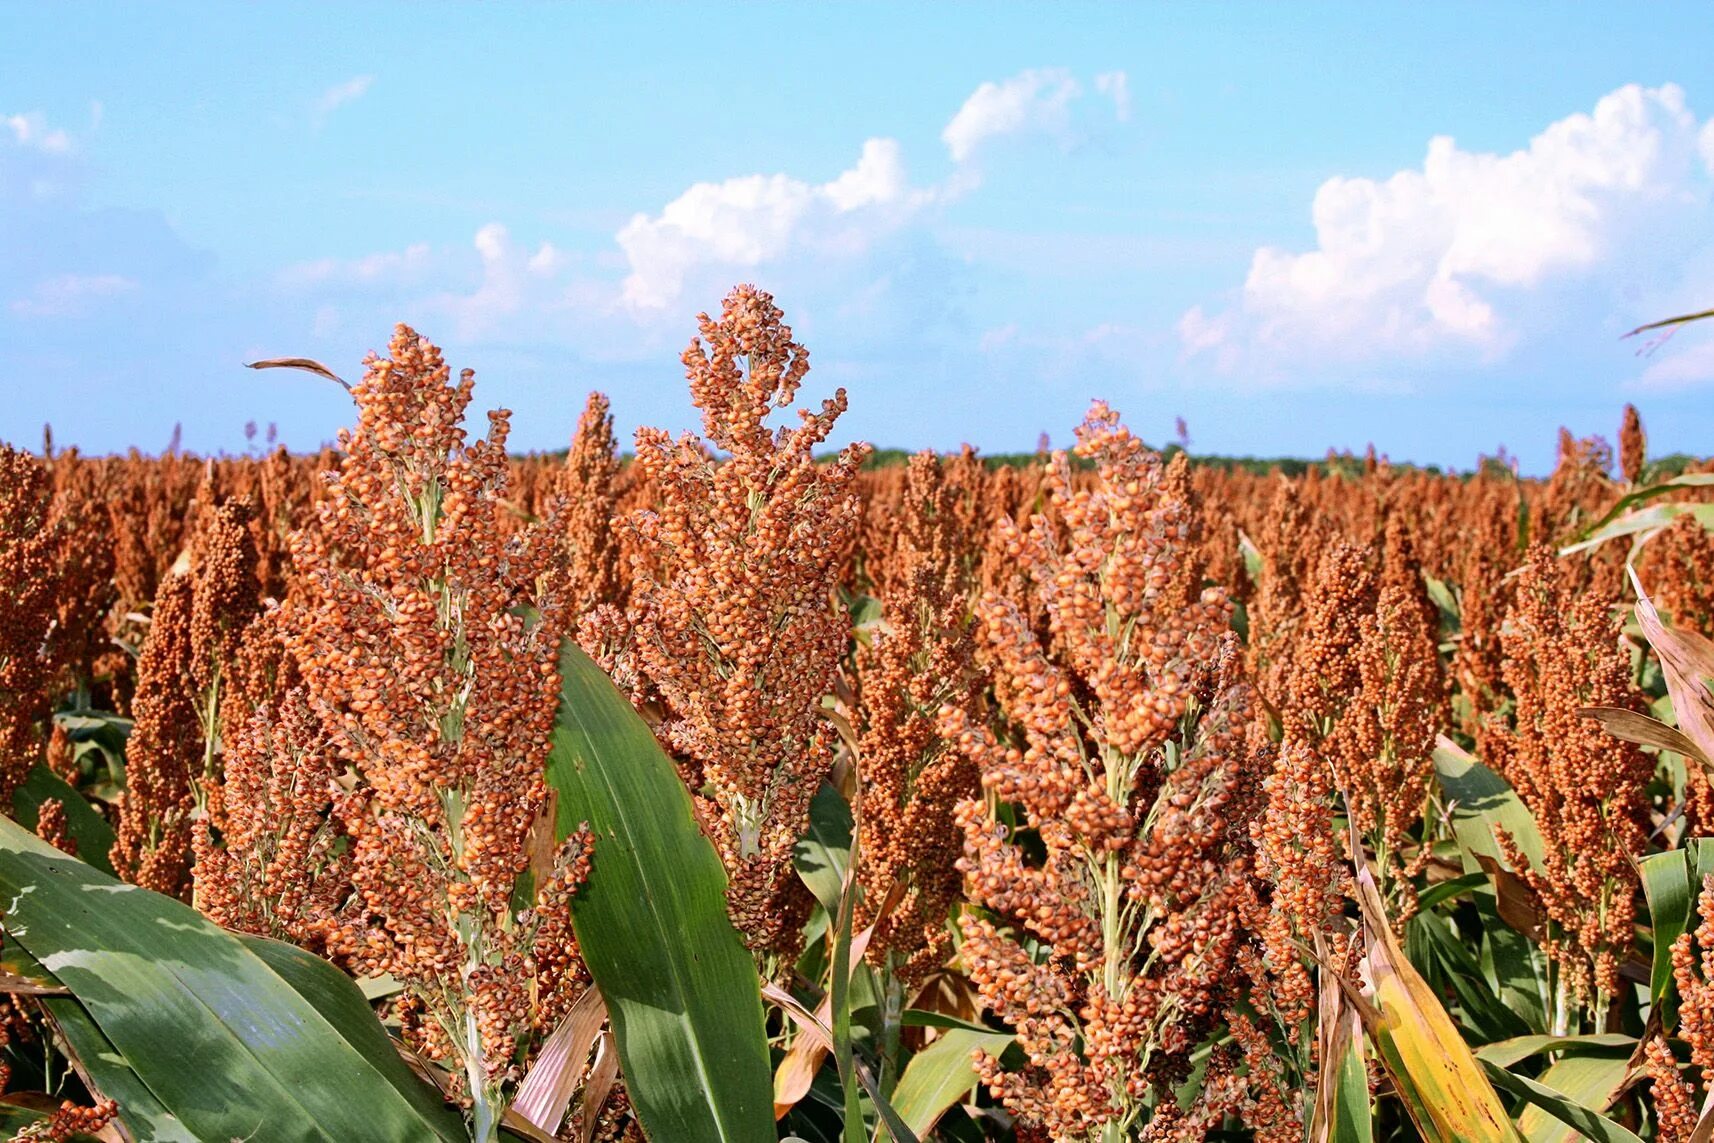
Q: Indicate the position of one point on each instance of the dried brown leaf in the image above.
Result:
(545, 1094)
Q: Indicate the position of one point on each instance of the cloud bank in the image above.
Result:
(1460, 257)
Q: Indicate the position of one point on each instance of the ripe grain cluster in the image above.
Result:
(1154, 776)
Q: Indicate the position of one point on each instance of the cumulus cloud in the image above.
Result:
(340, 94)
(1036, 100)
(70, 295)
(744, 222)
(860, 236)
(30, 129)
(1449, 256)
(512, 278)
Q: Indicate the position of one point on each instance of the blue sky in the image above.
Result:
(1296, 226)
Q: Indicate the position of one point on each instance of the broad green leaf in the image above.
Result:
(917, 1018)
(1538, 1095)
(941, 1075)
(1590, 1081)
(89, 829)
(1508, 1053)
(222, 1042)
(1448, 962)
(1517, 965)
(1671, 883)
(343, 1005)
(1483, 806)
(104, 1070)
(651, 922)
(1447, 890)
(99, 728)
(1642, 523)
(1653, 491)
(1444, 601)
(823, 854)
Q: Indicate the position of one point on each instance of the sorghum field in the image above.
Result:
(721, 788)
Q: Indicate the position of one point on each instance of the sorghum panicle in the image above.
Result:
(1124, 755)
(428, 657)
(733, 620)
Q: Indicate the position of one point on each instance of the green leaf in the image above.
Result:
(1340, 1112)
(1590, 1081)
(1483, 806)
(104, 1070)
(917, 1018)
(89, 829)
(1671, 883)
(1446, 961)
(1447, 890)
(1507, 1053)
(1538, 1095)
(343, 1005)
(1642, 523)
(1631, 500)
(940, 1075)
(824, 853)
(1445, 602)
(651, 921)
(220, 1040)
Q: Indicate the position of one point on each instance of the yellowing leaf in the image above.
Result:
(1437, 1077)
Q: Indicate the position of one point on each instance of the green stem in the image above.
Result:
(841, 1003)
(892, 1021)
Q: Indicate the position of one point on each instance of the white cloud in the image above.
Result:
(387, 266)
(1692, 368)
(1116, 85)
(31, 129)
(513, 279)
(862, 228)
(744, 222)
(70, 295)
(1035, 100)
(340, 94)
(1448, 256)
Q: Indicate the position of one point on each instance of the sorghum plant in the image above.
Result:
(921, 660)
(1124, 758)
(733, 620)
(1587, 791)
(30, 576)
(428, 657)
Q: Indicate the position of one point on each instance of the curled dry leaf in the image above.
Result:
(308, 365)
(545, 1094)
(1686, 659)
(1644, 731)
(601, 1079)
